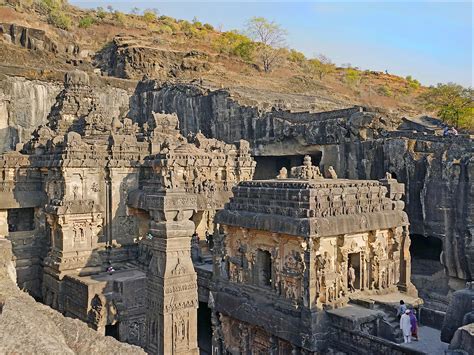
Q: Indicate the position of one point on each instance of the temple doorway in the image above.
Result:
(204, 329)
(112, 330)
(264, 268)
(354, 260)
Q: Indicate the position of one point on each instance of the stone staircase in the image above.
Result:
(389, 326)
(391, 323)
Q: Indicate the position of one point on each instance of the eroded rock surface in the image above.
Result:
(128, 58)
(358, 143)
(463, 340)
(28, 327)
(460, 312)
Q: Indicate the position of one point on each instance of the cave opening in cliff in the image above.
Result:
(425, 252)
(21, 219)
(268, 167)
(112, 330)
(204, 328)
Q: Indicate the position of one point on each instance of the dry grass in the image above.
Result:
(374, 89)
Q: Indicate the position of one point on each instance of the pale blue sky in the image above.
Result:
(430, 40)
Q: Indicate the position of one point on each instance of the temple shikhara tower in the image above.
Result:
(101, 212)
(294, 249)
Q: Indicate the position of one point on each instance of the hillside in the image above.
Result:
(111, 43)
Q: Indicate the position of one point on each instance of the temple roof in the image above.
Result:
(316, 207)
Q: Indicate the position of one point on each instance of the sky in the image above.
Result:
(429, 40)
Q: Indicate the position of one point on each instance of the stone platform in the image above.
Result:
(115, 301)
(429, 342)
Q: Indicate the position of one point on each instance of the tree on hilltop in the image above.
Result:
(321, 66)
(452, 103)
(270, 38)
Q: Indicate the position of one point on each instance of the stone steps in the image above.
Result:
(393, 322)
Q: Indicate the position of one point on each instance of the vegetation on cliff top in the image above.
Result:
(260, 48)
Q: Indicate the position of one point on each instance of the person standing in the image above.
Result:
(414, 325)
(351, 278)
(405, 326)
(401, 309)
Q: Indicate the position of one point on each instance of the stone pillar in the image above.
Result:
(171, 292)
(3, 223)
(217, 336)
(405, 284)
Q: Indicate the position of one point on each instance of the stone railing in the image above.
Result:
(357, 342)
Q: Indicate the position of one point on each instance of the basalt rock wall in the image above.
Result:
(218, 114)
(25, 104)
(359, 144)
(438, 175)
(28, 327)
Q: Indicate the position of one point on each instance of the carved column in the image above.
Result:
(172, 297)
(405, 284)
(217, 336)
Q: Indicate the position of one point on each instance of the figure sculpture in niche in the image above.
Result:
(332, 173)
(283, 173)
(351, 278)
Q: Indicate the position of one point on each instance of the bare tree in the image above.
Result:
(321, 66)
(270, 37)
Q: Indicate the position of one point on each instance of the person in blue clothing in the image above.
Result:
(401, 309)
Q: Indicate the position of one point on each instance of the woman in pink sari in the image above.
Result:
(414, 325)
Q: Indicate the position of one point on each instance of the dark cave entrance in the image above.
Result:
(425, 252)
(268, 167)
(112, 330)
(354, 260)
(21, 219)
(204, 329)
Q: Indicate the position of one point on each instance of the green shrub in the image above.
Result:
(245, 50)
(86, 22)
(101, 13)
(165, 29)
(208, 27)
(120, 17)
(235, 43)
(352, 76)
(320, 66)
(296, 57)
(149, 16)
(197, 24)
(385, 91)
(47, 6)
(59, 19)
(167, 19)
(412, 83)
(188, 29)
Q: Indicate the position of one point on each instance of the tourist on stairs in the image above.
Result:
(405, 326)
(414, 325)
(401, 309)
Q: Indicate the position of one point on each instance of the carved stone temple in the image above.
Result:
(294, 251)
(100, 212)
(104, 214)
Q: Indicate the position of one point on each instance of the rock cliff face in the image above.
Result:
(125, 58)
(26, 37)
(357, 143)
(460, 312)
(29, 327)
(25, 104)
(362, 145)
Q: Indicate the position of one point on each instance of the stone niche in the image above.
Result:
(292, 248)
